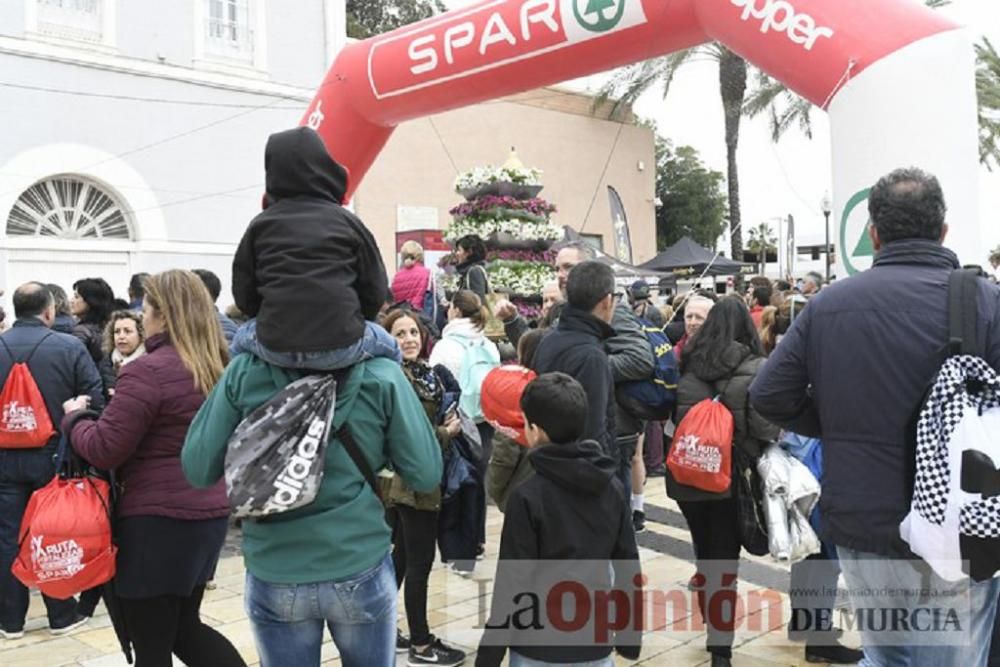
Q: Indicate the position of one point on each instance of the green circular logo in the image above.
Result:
(862, 247)
(598, 15)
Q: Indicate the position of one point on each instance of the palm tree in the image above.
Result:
(762, 241)
(629, 83)
(988, 91)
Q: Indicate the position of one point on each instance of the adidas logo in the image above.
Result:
(289, 484)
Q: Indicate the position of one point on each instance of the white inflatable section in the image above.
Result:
(916, 107)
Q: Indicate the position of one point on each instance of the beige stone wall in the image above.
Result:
(553, 130)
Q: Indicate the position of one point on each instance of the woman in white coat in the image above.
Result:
(465, 350)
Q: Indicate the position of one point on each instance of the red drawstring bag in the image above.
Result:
(65, 541)
(24, 419)
(701, 455)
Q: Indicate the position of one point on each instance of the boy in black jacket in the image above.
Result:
(573, 511)
(307, 269)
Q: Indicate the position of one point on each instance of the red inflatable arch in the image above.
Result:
(821, 49)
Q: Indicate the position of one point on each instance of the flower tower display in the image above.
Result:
(503, 208)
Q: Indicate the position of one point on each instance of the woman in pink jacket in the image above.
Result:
(413, 279)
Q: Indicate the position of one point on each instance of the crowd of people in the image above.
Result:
(153, 388)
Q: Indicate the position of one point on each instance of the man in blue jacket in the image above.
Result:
(62, 368)
(853, 370)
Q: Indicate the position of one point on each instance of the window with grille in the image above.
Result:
(68, 207)
(229, 33)
(71, 19)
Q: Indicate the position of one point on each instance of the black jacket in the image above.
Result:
(472, 276)
(574, 512)
(306, 268)
(729, 377)
(853, 370)
(92, 337)
(61, 367)
(576, 347)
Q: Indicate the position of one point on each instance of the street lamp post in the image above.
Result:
(827, 207)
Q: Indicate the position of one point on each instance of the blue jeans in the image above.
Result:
(22, 472)
(518, 660)
(360, 611)
(376, 342)
(974, 603)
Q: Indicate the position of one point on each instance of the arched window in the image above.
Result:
(68, 207)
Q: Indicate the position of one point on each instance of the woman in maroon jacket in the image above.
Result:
(170, 533)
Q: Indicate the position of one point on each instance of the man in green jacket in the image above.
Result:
(328, 562)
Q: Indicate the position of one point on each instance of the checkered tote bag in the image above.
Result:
(954, 519)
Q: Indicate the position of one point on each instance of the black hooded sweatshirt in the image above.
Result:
(306, 268)
(574, 511)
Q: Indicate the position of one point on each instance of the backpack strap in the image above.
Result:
(30, 354)
(347, 438)
(352, 449)
(962, 313)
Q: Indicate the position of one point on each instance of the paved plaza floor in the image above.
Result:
(456, 606)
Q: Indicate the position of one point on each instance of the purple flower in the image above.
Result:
(490, 203)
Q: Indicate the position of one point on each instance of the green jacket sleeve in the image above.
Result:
(500, 471)
(412, 444)
(204, 455)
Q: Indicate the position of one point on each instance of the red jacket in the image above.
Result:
(140, 435)
(410, 284)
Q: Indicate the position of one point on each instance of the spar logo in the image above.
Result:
(780, 16)
(485, 37)
(598, 15)
(855, 244)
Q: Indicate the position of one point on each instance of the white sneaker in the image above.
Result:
(8, 635)
(462, 573)
(79, 622)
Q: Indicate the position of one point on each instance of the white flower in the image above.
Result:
(480, 176)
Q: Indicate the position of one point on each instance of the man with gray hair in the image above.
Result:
(853, 370)
(812, 283)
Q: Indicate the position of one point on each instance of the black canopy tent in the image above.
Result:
(687, 259)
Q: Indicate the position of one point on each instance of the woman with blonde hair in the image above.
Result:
(124, 338)
(169, 533)
(413, 280)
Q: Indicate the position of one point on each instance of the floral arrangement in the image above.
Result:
(480, 176)
(547, 257)
(523, 278)
(448, 262)
(504, 209)
(492, 207)
(528, 309)
(519, 230)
